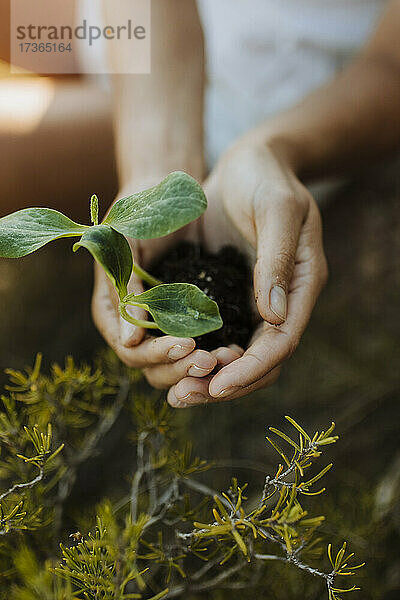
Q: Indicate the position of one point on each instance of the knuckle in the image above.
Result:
(259, 362)
(292, 201)
(156, 349)
(286, 198)
(279, 196)
(284, 264)
(291, 346)
(154, 344)
(293, 343)
(129, 362)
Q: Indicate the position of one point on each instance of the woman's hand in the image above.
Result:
(167, 359)
(257, 204)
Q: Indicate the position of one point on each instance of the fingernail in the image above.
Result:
(204, 360)
(278, 301)
(179, 351)
(177, 404)
(191, 398)
(198, 371)
(228, 391)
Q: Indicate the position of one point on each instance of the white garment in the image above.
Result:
(263, 55)
(266, 55)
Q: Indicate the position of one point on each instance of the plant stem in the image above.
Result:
(138, 322)
(138, 476)
(146, 276)
(94, 209)
(21, 486)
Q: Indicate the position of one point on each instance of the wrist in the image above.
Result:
(281, 142)
(285, 151)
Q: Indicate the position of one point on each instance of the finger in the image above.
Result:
(276, 344)
(197, 364)
(156, 350)
(106, 314)
(199, 391)
(236, 348)
(269, 350)
(105, 308)
(190, 387)
(151, 351)
(226, 355)
(278, 227)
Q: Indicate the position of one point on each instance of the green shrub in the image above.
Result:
(166, 534)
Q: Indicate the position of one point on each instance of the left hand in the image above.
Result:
(257, 204)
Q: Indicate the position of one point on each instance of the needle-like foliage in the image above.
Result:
(169, 535)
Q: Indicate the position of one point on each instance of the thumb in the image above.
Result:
(277, 239)
(130, 334)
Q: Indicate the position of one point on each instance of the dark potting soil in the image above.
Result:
(225, 277)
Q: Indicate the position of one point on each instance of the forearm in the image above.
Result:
(353, 119)
(158, 117)
(342, 126)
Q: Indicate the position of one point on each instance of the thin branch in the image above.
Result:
(210, 564)
(280, 482)
(270, 557)
(22, 486)
(138, 475)
(212, 583)
(204, 489)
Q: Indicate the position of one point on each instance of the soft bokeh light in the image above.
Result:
(24, 102)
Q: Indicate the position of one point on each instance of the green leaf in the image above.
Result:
(285, 437)
(299, 428)
(179, 309)
(29, 229)
(112, 252)
(160, 210)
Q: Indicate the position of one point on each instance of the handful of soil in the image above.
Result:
(225, 277)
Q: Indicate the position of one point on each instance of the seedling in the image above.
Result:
(180, 309)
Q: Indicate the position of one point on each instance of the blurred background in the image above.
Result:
(56, 143)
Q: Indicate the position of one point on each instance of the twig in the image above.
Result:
(270, 557)
(138, 475)
(279, 482)
(21, 486)
(204, 489)
(225, 574)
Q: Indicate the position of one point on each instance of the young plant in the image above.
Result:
(180, 309)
